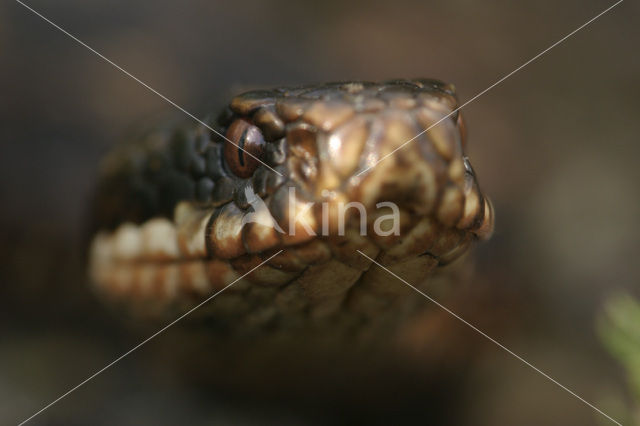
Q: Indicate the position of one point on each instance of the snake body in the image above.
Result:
(171, 206)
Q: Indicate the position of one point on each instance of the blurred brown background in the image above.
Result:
(555, 146)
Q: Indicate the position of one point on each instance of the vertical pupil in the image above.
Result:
(244, 139)
(241, 143)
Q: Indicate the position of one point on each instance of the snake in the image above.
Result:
(186, 208)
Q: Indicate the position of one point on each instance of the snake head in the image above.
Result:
(349, 154)
(324, 172)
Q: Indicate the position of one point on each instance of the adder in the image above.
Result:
(171, 207)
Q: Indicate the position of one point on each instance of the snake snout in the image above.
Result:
(416, 162)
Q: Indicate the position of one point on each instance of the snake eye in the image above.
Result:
(249, 146)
